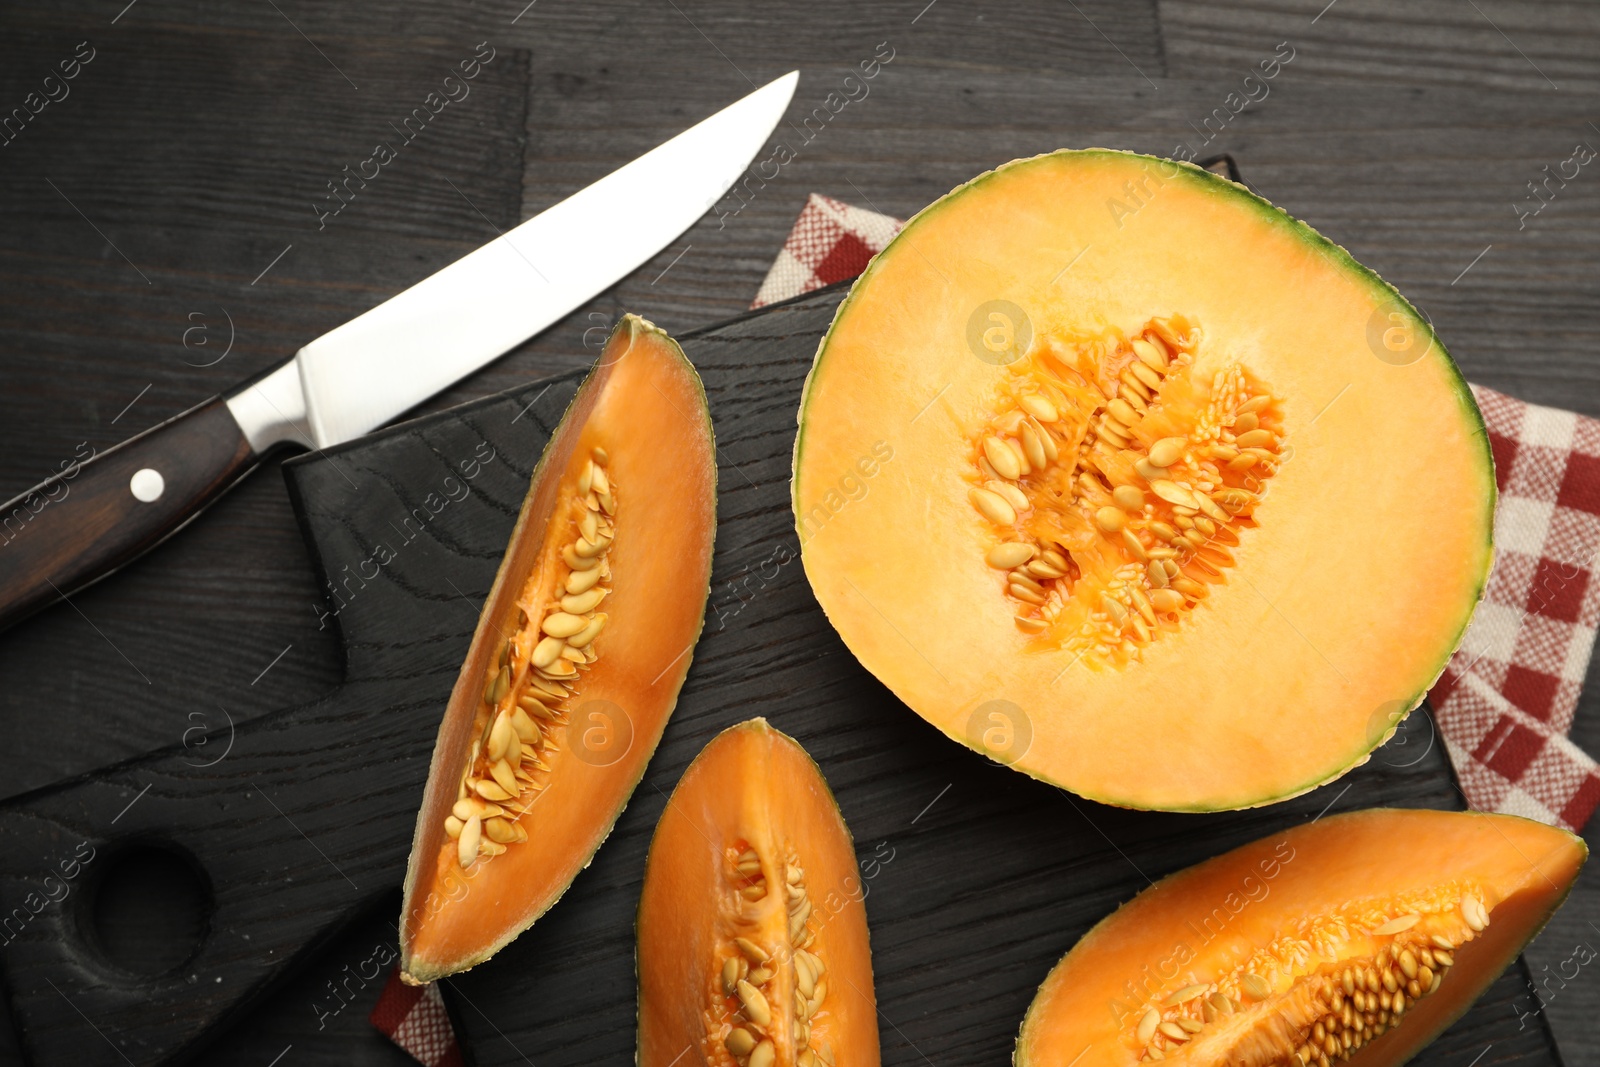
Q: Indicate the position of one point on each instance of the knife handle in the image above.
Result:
(76, 527)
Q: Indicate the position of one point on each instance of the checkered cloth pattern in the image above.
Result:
(1503, 705)
(414, 1017)
(1506, 700)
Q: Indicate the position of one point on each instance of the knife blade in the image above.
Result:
(83, 523)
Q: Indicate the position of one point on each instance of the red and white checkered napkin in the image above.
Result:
(414, 1017)
(1506, 700)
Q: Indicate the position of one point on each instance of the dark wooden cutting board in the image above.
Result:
(978, 878)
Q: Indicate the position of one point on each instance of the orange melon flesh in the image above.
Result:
(644, 409)
(754, 797)
(1344, 576)
(1298, 910)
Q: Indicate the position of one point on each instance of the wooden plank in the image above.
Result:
(703, 38)
(1485, 45)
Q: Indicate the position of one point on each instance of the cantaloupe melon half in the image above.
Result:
(1117, 473)
(1354, 938)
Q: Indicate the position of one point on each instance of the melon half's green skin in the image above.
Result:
(896, 352)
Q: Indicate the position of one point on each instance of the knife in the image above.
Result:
(81, 524)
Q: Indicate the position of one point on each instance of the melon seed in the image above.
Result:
(1188, 992)
(453, 826)
(1211, 509)
(1396, 925)
(1173, 493)
(1146, 375)
(1473, 912)
(1246, 422)
(1011, 495)
(467, 807)
(547, 651)
(582, 603)
(752, 951)
(1149, 471)
(501, 770)
(765, 1055)
(1009, 554)
(1041, 569)
(1147, 1025)
(1168, 450)
(1128, 497)
(490, 790)
(1149, 354)
(1257, 439)
(992, 507)
(1109, 519)
(1165, 600)
(1001, 458)
(1123, 412)
(586, 548)
(1039, 407)
(582, 581)
(500, 736)
(526, 729)
(577, 562)
(1255, 985)
(470, 841)
(584, 637)
(1023, 593)
(1173, 1031)
(754, 1002)
(1033, 446)
(504, 831)
(739, 1042)
(499, 686)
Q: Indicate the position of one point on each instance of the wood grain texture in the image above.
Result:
(1406, 132)
(1486, 44)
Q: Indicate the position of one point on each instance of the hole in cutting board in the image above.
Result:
(150, 911)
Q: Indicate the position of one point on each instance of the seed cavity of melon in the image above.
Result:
(1338, 983)
(523, 712)
(1118, 483)
(746, 1000)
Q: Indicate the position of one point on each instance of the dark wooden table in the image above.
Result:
(160, 242)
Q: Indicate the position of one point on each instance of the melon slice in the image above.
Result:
(752, 927)
(1118, 474)
(579, 654)
(1359, 937)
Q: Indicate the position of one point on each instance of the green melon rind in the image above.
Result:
(1382, 291)
(1021, 1055)
(415, 971)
